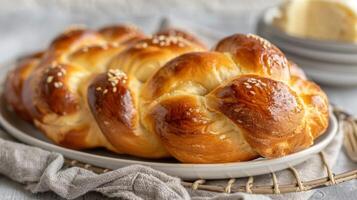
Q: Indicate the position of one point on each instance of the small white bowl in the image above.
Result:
(265, 23)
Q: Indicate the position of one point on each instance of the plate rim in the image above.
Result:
(30, 140)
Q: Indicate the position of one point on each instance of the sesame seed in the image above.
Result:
(58, 84)
(237, 110)
(162, 37)
(141, 45)
(252, 92)
(114, 89)
(59, 74)
(263, 41)
(105, 91)
(49, 79)
(98, 88)
(155, 41)
(222, 137)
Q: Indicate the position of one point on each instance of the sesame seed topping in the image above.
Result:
(141, 45)
(58, 84)
(105, 91)
(222, 137)
(237, 109)
(98, 89)
(49, 79)
(252, 92)
(155, 41)
(59, 74)
(163, 40)
(266, 44)
(114, 76)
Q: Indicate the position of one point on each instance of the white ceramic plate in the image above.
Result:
(266, 28)
(28, 134)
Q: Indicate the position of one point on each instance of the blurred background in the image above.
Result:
(27, 25)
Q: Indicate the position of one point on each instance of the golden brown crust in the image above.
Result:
(148, 55)
(113, 106)
(14, 83)
(255, 55)
(181, 33)
(54, 93)
(268, 111)
(55, 90)
(138, 63)
(316, 103)
(72, 40)
(260, 105)
(296, 71)
(192, 136)
(270, 115)
(122, 33)
(166, 96)
(205, 70)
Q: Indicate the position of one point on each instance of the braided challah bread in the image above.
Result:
(166, 95)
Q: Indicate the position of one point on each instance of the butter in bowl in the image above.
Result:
(319, 35)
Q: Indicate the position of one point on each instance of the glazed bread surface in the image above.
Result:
(166, 95)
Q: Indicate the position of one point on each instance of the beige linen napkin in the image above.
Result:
(42, 171)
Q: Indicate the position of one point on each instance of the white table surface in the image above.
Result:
(27, 25)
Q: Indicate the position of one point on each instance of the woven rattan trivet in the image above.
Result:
(276, 188)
